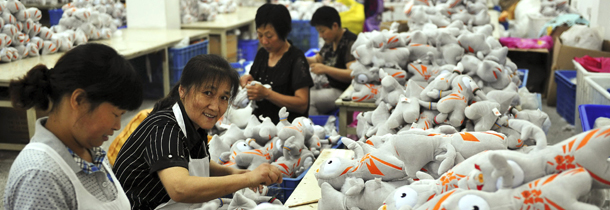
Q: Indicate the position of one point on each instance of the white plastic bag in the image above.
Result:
(583, 37)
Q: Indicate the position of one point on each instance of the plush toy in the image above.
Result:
(557, 191)
(394, 71)
(378, 164)
(420, 150)
(449, 48)
(261, 132)
(228, 158)
(474, 43)
(422, 72)
(292, 168)
(250, 159)
(391, 90)
(484, 114)
(405, 112)
(232, 134)
(362, 74)
(425, 53)
(364, 92)
(378, 118)
(217, 147)
(358, 195)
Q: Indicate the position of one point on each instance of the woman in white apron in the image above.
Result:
(165, 162)
(63, 166)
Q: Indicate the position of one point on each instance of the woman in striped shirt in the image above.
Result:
(165, 162)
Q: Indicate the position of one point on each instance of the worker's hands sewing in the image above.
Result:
(256, 91)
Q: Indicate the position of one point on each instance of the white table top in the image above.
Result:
(241, 17)
(308, 190)
(130, 43)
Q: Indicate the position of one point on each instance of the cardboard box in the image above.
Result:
(214, 47)
(562, 60)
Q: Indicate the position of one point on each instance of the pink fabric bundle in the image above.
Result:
(599, 64)
(522, 43)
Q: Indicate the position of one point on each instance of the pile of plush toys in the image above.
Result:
(22, 35)
(443, 13)
(96, 19)
(303, 10)
(243, 140)
(453, 131)
(204, 10)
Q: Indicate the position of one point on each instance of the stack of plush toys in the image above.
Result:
(303, 10)
(93, 19)
(21, 34)
(452, 129)
(443, 13)
(242, 140)
(204, 10)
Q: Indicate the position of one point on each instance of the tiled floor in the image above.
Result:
(557, 133)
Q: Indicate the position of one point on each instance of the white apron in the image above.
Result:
(197, 167)
(84, 199)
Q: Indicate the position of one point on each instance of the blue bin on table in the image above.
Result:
(283, 190)
(55, 15)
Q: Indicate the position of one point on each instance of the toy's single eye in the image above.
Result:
(242, 146)
(244, 103)
(332, 166)
(466, 81)
(518, 175)
(405, 196)
(362, 78)
(473, 202)
(279, 143)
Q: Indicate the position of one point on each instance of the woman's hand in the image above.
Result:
(258, 188)
(245, 79)
(264, 174)
(257, 92)
(318, 68)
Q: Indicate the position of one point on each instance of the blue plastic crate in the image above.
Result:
(178, 57)
(283, 190)
(55, 15)
(303, 35)
(590, 112)
(311, 52)
(246, 49)
(522, 73)
(567, 99)
(240, 68)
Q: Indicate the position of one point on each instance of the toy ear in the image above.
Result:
(529, 131)
(502, 171)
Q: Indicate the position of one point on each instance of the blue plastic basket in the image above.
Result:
(283, 190)
(303, 35)
(590, 112)
(246, 49)
(55, 15)
(241, 69)
(523, 76)
(178, 57)
(311, 52)
(567, 98)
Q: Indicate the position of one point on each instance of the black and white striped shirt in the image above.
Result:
(158, 143)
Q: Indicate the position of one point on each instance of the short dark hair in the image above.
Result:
(201, 70)
(96, 68)
(325, 16)
(277, 16)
